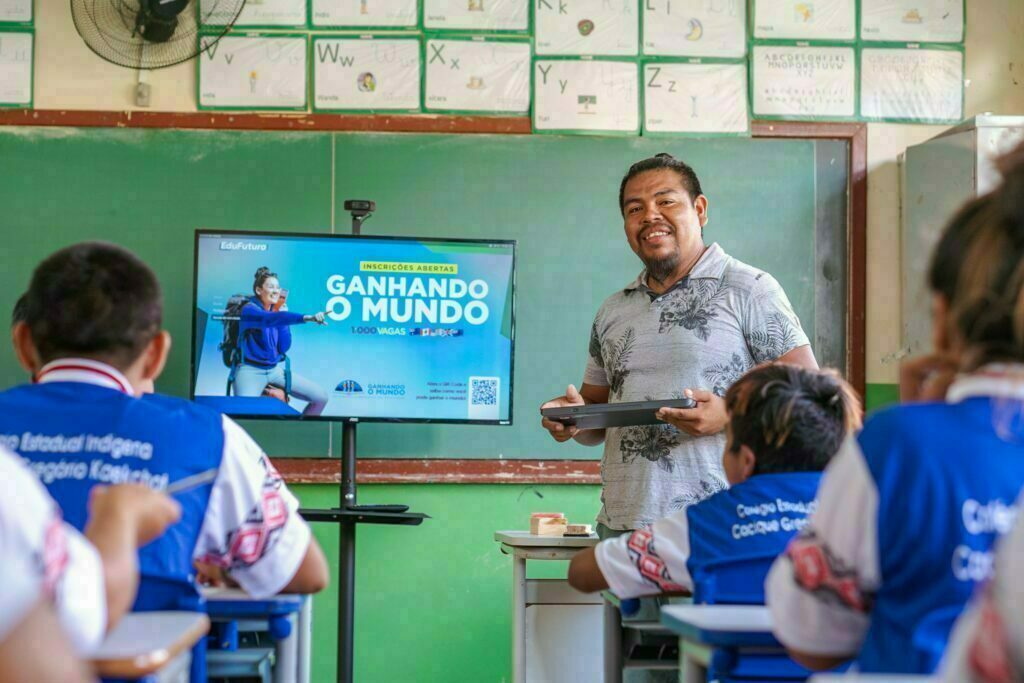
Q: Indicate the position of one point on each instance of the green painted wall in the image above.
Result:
(433, 603)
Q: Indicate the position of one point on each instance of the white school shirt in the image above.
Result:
(252, 527)
(41, 555)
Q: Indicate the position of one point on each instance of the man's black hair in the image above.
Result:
(659, 161)
(96, 300)
(18, 313)
(792, 418)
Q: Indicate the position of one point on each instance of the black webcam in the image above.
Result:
(360, 207)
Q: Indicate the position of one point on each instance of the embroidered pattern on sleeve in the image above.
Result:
(250, 542)
(53, 559)
(652, 568)
(988, 654)
(818, 571)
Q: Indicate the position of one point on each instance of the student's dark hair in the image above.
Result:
(792, 418)
(659, 161)
(18, 314)
(93, 299)
(978, 269)
(262, 275)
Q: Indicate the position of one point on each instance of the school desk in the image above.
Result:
(157, 644)
(289, 620)
(523, 546)
(702, 628)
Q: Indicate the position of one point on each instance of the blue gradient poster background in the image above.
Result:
(416, 329)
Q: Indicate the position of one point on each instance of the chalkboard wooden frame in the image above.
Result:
(447, 470)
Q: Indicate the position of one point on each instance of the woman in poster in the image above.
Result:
(264, 337)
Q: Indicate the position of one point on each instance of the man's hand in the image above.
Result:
(708, 417)
(560, 432)
(927, 378)
(134, 508)
(318, 318)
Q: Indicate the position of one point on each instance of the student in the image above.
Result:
(785, 423)
(93, 331)
(19, 314)
(264, 336)
(909, 510)
(72, 587)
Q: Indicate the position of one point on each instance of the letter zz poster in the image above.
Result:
(366, 74)
(686, 98)
(478, 75)
(586, 96)
(253, 72)
(413, 329)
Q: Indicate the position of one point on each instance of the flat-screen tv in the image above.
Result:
(346, 327)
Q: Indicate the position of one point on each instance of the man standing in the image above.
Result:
(690, 325)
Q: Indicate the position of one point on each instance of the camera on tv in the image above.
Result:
(360, 207)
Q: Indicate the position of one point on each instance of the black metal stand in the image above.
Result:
(346, 516)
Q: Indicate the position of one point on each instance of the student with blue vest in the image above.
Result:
(92, 333)
(910, 509)
(264, 337)
(785, 423)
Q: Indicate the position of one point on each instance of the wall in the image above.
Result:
(433, 601)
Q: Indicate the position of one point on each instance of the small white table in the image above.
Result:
(523, 546)
(144, 643)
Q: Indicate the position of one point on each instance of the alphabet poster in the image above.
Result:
(16, 69)
(478, 76)
(253, 72)
(365, 13)
(477, 15)
(587, 27)
(255, 13)
(803, 82)
(375, 74)
(572, 95)
(912, 85)
(805, 19)
(681, 97)
(16, 11)
(934, 21)
(695, 28)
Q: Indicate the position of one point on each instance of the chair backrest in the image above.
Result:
(732, 581)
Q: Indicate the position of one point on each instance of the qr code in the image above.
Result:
(483, 391)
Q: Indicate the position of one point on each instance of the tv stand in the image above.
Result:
(346, 516)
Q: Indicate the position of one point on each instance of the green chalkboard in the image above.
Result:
(778, 204)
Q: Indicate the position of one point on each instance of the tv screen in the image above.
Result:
(337, 327)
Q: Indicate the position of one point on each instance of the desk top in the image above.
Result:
(144, 642)
(870, 678)
(722, 625)
(526, 539)
(234, 602)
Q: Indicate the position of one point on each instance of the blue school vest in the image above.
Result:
(76, 435)
(736, 534)
(947, 485)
